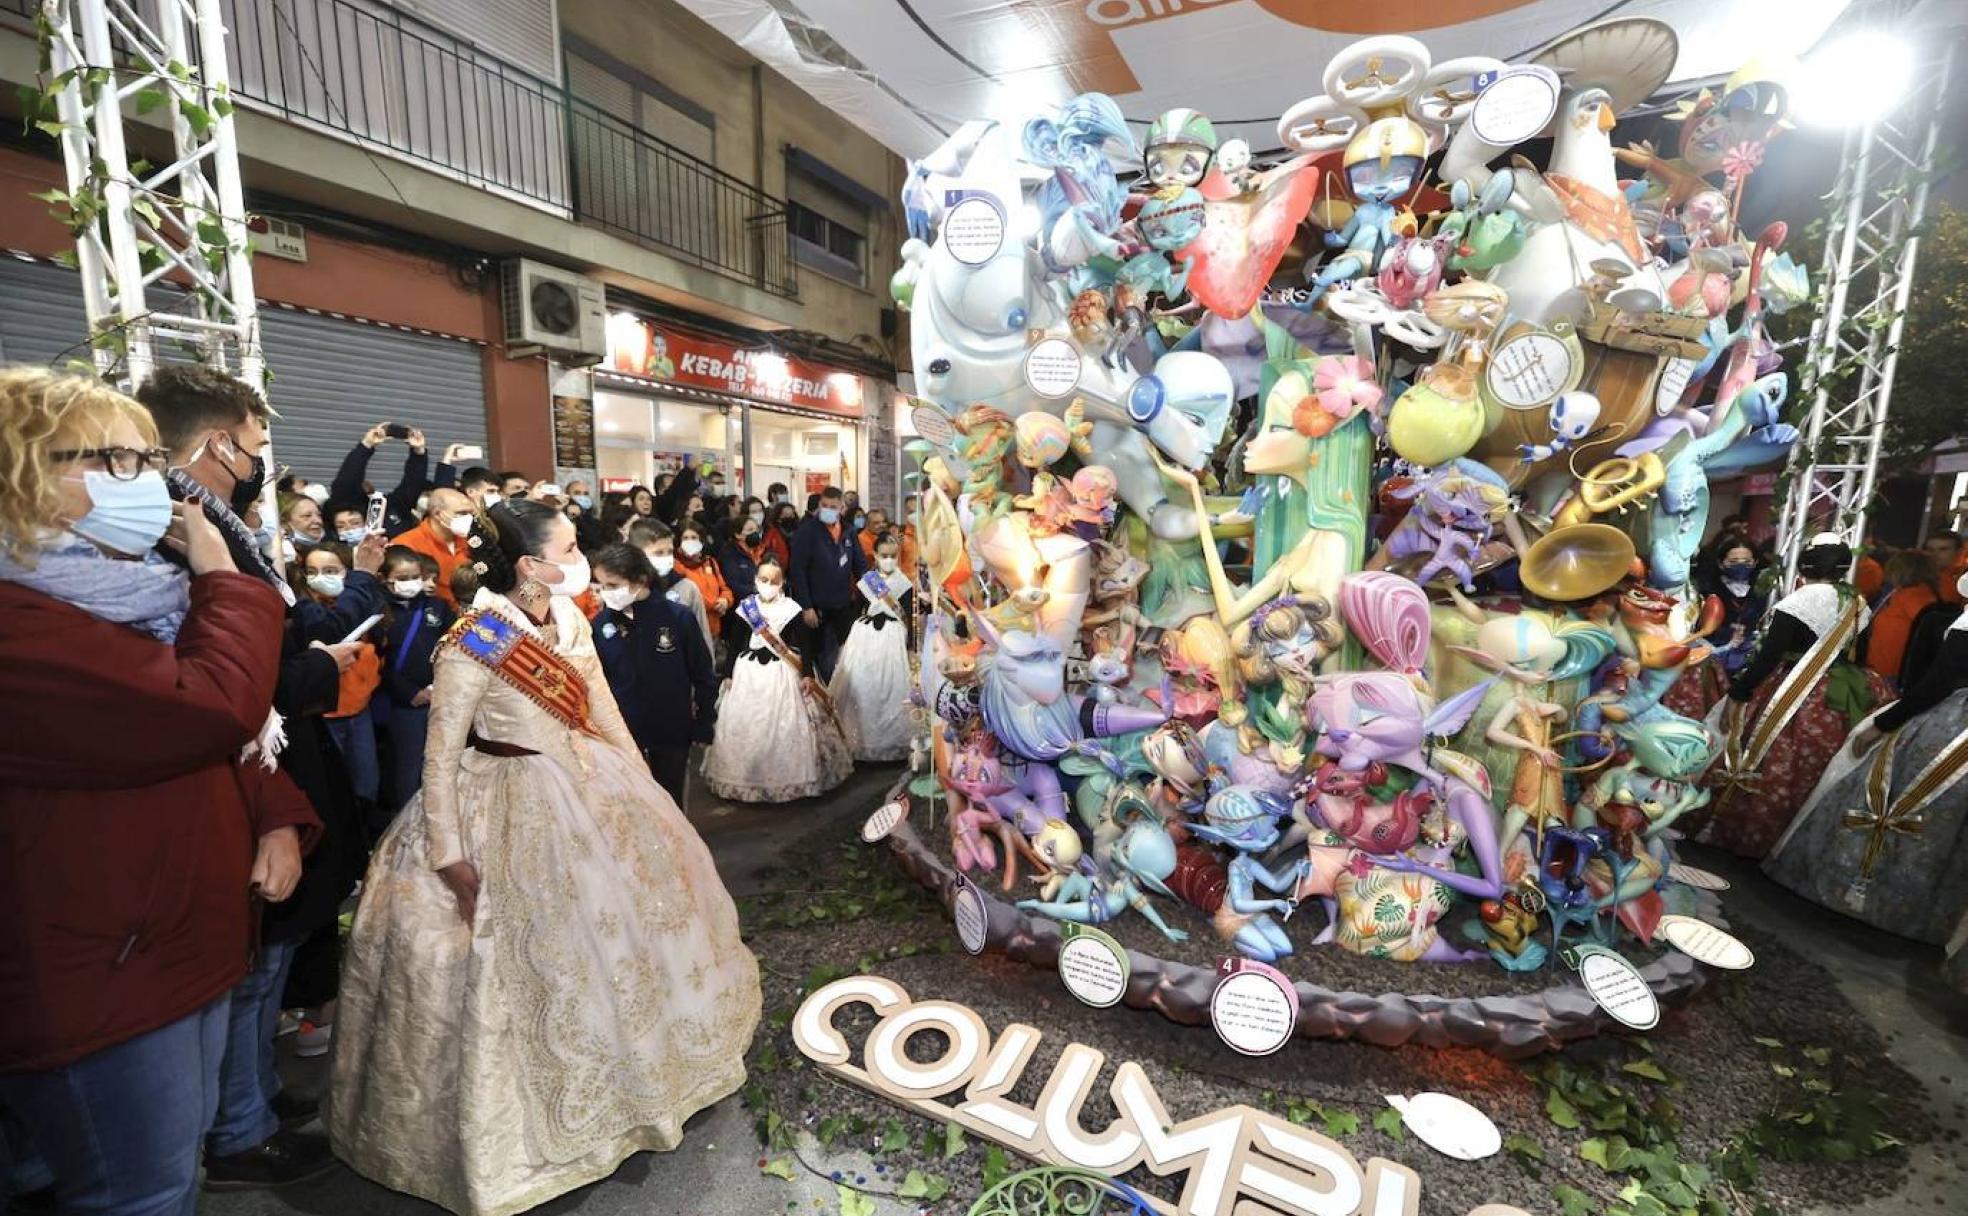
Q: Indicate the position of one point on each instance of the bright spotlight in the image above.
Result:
(1853, 80)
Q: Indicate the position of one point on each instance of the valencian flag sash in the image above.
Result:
(524, 662)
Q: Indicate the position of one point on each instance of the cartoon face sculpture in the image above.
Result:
(1384, 159)
(1374, 716)
(1178, 149)
(1172, 218)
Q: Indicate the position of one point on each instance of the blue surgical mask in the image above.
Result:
(830, 516)
(1739, 572)
(127, 517)
(352, 536)
(860, 522)
(584, 502)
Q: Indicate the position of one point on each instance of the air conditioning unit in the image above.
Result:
(553, 310)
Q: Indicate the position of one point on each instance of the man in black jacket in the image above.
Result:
(827, 563)
(215, 429)
(401, 513)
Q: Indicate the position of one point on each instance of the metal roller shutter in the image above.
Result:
(333, 379)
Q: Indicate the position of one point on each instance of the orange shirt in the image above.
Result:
(710, 581)
(1892, 628)
(448, 554)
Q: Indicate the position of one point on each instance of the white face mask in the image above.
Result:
(1961, 584)
(492, 500)
(329, 585)
(887, 564)
(407, 588)
(757, 517)
(461, 524)
(618, 598)
(767, 592)
(663, 562)
(574, 577)
(692, 547)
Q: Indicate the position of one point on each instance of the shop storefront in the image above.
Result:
(666, 397)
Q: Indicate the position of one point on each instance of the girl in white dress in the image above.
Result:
(778, 738)
(545, 974)
(871, 682)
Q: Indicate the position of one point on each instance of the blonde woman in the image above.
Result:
(132, 842)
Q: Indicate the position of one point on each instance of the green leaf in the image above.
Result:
(918, 1185)
(50, 127)
(1561, 1111)
(1523, 1146)
(853, 1202)
(779, 1167)
(830, 1129)
(995, 1168)
(51, 197)
(1572, 1201)
(1594, 1150)
(1388, 1122)
(1644, 1068)
(1341, 1123)
(1771, 1043)
(222, 106)
(953, 1140)
(149, 99)
(893, 1138)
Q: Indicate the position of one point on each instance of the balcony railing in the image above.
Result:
(362, 71)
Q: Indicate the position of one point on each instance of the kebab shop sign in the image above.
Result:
(637, 348)
(1235, 1160)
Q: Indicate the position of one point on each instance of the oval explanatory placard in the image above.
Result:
(1052, 367)
(1093, 966)
(1701, 880)
(1449, 1125)
(973, 919)
(1516, 106)
(974, 230)
(1254, 1008)
(934, 425)
(1673, 382)
(884, 821)
(1705, 943)
(1619, 989)
(1528, 372)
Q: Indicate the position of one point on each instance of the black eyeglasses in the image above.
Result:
(124, 464)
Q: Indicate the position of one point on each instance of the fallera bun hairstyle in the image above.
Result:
(504, 534)
(1825, 559)
(625, 561)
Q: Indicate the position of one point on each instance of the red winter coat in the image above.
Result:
(127, 829)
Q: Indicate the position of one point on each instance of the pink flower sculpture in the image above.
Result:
(1346, 385)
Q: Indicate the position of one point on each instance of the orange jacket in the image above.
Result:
(359, 683)
(704, 572)
(1892, 628)
(907, 556)
(1868, 577)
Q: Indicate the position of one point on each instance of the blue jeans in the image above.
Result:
(248, 1080)
(408, 725)
(355, 738)
(123, 1129)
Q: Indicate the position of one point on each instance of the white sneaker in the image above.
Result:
(312, 1040)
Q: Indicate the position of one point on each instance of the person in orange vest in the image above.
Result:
(1911, 579)
(878, 527)
(695, 562)
(441, 537)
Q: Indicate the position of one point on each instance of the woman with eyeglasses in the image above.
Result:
(133, 842)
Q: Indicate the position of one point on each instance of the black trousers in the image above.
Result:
(835, 625)
(671, 768)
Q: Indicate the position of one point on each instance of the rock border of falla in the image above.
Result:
(1511, 1026)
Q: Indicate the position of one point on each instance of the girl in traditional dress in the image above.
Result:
(1881, 838)
(1789, 709)
(778, 738)
(871, 683)
(545, 974)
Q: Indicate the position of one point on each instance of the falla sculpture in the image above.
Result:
(1344, 587)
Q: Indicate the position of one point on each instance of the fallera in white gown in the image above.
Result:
(872, 683)
(775, 742)
(598, 1000)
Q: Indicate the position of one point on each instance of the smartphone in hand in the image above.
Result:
(378, 510)
(396, 430)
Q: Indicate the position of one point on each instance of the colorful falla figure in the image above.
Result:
(1181, 144)
(1246, 821)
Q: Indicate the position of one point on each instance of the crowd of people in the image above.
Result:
(430, 702)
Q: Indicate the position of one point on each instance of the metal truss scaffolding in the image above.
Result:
(1876, 209)
(183, 224)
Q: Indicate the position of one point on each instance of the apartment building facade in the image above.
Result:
(439, 181)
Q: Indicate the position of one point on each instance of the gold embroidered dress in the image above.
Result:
(602, 995)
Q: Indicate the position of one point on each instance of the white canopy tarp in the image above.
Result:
(910, 71)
